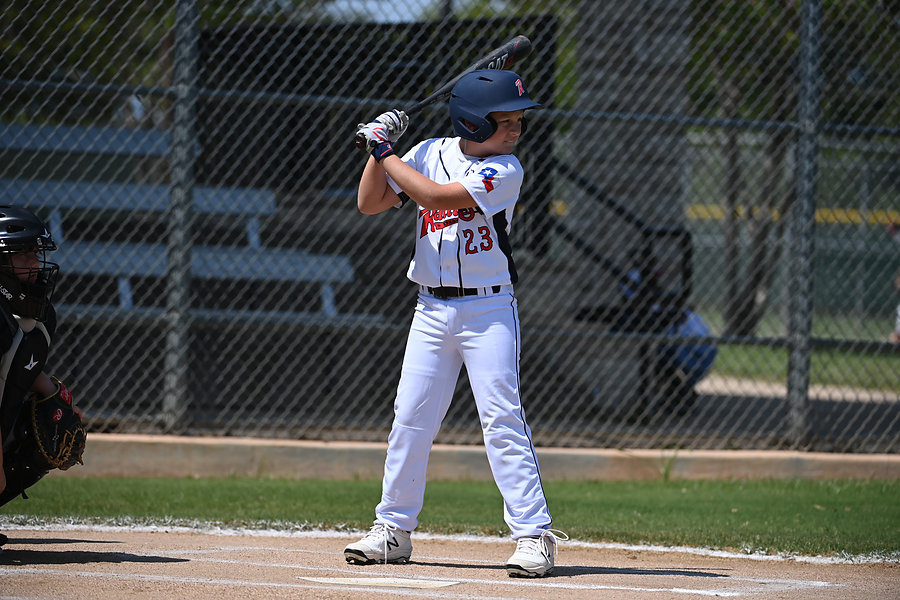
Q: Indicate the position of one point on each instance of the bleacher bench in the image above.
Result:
(123, 260)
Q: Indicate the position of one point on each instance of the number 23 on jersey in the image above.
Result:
(479, 240)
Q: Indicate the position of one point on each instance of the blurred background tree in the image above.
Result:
(744, 65)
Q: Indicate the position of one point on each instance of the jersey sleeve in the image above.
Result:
(495, 183)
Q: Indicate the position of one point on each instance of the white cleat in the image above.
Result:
(384, 543)
(534, 555)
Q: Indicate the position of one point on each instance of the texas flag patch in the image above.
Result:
(65, 394)
(487, 178)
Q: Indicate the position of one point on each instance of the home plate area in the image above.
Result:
(96, 563)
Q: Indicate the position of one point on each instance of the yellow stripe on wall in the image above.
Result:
(846, 216)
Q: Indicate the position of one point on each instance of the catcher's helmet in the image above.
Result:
(481, 92)
(27, 290)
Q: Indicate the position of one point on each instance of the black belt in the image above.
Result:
(444, 293)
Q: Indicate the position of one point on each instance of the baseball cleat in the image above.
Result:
(384, 543)
(533, 556)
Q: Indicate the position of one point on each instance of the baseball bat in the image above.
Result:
(499, 58)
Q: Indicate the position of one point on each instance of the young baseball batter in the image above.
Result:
(465, 190)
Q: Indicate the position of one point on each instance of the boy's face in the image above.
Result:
(509, 129)
(24, 264)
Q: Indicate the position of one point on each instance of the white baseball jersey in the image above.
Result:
(467, 247)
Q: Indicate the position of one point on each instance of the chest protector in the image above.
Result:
(25, 344)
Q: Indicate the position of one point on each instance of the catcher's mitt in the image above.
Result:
(57, 429)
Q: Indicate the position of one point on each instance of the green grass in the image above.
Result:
(827, 367)
(805, 517)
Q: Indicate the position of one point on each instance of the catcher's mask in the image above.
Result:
(481, 92)
(27, 289)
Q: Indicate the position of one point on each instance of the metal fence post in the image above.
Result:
(175, 392)
(801, 297)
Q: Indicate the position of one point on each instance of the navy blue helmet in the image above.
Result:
(481, 92)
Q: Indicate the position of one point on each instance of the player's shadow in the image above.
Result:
(574, 571)
(12, 555)
(451, 565)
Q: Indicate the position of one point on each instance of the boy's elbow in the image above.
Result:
(367, 206)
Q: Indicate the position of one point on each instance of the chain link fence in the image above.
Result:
(706, 239)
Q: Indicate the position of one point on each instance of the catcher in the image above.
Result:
(40, 427)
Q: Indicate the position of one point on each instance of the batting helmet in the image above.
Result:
(481, 92)
(27, 290)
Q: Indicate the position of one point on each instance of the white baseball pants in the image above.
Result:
(482, 333)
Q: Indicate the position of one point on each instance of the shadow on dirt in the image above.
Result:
(10, 555)
(573, 571)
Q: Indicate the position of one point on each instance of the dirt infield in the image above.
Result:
(114, 563)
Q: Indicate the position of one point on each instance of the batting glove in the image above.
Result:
(396, 123)
(377, 139)
(374, 133)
